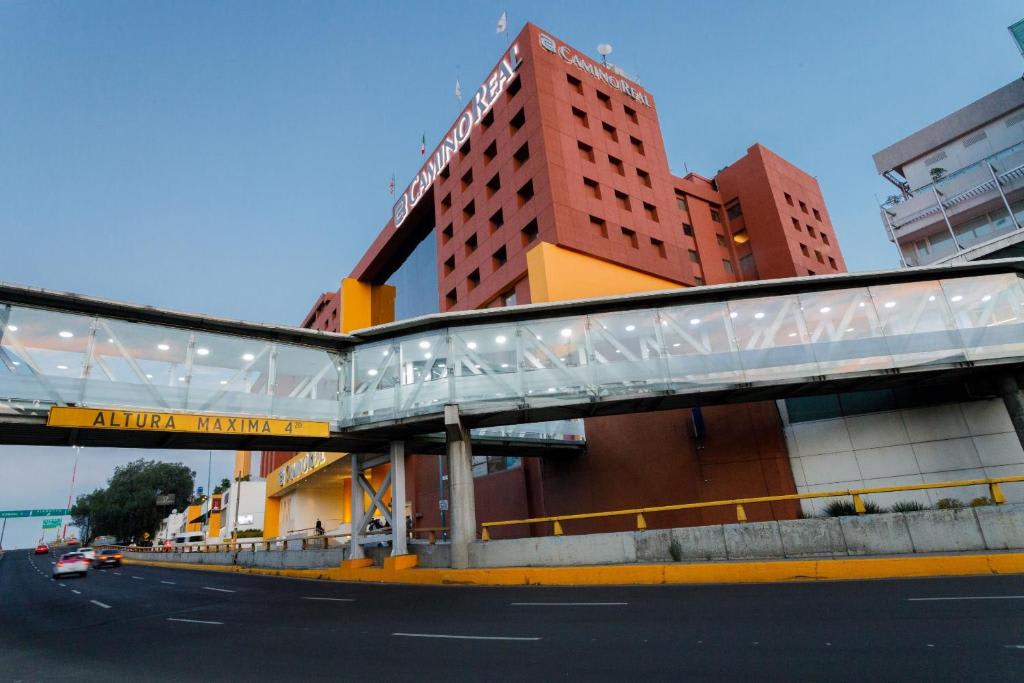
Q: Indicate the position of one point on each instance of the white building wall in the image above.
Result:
(970, 440)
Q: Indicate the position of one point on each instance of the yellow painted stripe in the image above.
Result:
(653, 574)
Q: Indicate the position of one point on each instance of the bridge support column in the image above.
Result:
(1013, 399)
(399, 545)
(462, 506)
(355, 551)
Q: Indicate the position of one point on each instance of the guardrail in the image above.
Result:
(995, 493)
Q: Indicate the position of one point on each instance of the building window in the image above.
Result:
(727, 266)
(631, 113)
(493, 185)
(449, 265)
(489, 464)
(499, 258)
(832, 262)
(694, 256)
(817, 214)
(803, 207)
(602, 227)
(720, 238)
(645, 177)
(652, 211)
(699, 281)
(521, 156)
(446, 173)
(687, 229)
(529, 232)
(465, 150)
(447, 233)
(681, 201)
(818, 255)
(734, 211)
(513, 88)
(490, 152)
(610, 131)
(525, 192)
(473, 281)
(631, 236)
(467, 179)
(593, 189)
(716, 216)
(741, 236)
(810, 230)
(804, 250)
(623, 200)
(517, 121)
(617, 165)
(659, 246)
(471, 244)
(468, 211)
(605, 99)
(796, 224)
(586, 151)
(638, 145)
(451, 298)
(789, 199)
(488, 120)
(581, 117)
(446, 202)
(509, 298)
(497, 220)
(575, 83)
(824, 238)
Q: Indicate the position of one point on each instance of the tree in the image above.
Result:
(126, 508)
(223, 486)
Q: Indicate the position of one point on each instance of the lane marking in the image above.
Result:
(197, 621)
(62, 585)
(332, 599)
(454, 637)
(971, 597)
(219, 590)
(169, 583)
(103, 605)
(76, 592)
(137, 578)
(567, 604)
(1015, 647)
(118, 573)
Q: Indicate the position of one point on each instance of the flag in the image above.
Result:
(458, 89)
(391, 185)
(502, 22)
(423, 145)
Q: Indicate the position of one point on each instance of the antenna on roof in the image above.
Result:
(604, 49)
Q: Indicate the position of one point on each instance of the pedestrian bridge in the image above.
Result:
(506, 369)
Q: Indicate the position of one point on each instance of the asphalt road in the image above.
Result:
(144, 623)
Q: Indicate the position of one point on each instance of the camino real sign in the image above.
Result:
(47, 512)
(146, 421)
(612, 80)
(297, 469)
(481, 103)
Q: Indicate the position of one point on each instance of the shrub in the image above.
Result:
(983, 500)
(949, 504)
(250, 533)
(908, 506)
(675, 550)
(845, 508)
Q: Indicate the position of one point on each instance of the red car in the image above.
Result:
(42, 549)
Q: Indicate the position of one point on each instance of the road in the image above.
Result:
(146, 623)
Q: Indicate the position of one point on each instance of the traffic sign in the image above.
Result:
(49, 512)
(51, 523)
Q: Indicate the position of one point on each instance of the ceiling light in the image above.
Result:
(372, 372)
(163, 347)
(618, 350)
(890, 304)
(957, 298)
(149, 376)
(428, 354)
(386, 352)
(501, 339)
(734, 314)
(504, 365)
(424, 345)
(759, 315)
(248, 357)
(695, 321)
(676, 345)
(566, 332)
(66, 334)
(849, 329)
(861, 304)
(15, 362)
(12, 328)
(470, 345)
(551, 390)
(110, 340)
(825, 309)
(792, 334)
(931, 298)
(181, 379)
(987, 297)
(223, 381)
(630, 328)
(62, 367)
(203, 352)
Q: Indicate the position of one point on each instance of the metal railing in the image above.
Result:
(994, 486)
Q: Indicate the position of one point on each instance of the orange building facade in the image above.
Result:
(554, 184)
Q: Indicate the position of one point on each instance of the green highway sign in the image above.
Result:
(51, 523)
(48, 512)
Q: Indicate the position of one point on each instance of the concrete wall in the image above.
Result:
(438, 555)
(928, 531)
(971, 440)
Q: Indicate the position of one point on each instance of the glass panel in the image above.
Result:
(374, 382)
(844, 331)
(987, 311)
(307, 383)
(423, 373)
(554, 360)
(484, 364)
(699, 343)
(917, 323)
(772, 339)
(43, 355)
(626, 353)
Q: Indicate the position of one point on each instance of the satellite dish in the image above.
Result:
(604, 49)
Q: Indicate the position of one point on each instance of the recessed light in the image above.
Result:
(424, 345)
(861, 304)
(203, 352)
(566, 332)
(372, 372)
(471, 345)
(223, 381)
(149, 376)
(16, 362)
(504, 365)
(551, 390)
(248, 356)
(501, 339)
(66, 334)
(733, 314)
(987, 297)
(163, 347)
(955, 298)
(792, 334)
(825, 309)
(12, 328)
(181, 379)
(695, 321)
(630, 328)
(931, 298)
(849, 329)
(890, 304)
(110, 340)
(62, 367)
(676, 345)
(759, 315)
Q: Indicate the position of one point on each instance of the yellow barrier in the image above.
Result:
(995, 493)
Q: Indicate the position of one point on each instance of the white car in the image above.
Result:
(89, 553)
(71, 563)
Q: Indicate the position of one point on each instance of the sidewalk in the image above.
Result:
(656, 574)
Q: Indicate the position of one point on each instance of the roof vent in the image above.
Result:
(975, 139)
(938, 156)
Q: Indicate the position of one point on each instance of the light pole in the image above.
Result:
(71, 491)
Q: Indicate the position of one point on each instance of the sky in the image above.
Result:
(233, 158)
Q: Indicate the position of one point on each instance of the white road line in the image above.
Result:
(197, 621)
(76, 592)
(567, 604)
(332, 599)
(971, 597)
(1015, 647)
(97, 602)
(452, 637)
(219, 590)
(118, 573)
(169, 583)
(62, 585)
(137, 578)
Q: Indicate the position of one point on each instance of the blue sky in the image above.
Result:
(233, 158)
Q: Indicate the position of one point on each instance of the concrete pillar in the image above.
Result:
(462, 506)
(1013, 399)
(399, 545)
(355, 551)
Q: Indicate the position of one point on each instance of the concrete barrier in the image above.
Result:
(1002, 526)
(933, 531)
(883, 534)
(812, 538)
(753, 540)
(613, 548)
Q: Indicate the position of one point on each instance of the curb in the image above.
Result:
(652, 574)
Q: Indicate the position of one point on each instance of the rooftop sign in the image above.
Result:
(614, 81)
(481, 103)
(146, 421)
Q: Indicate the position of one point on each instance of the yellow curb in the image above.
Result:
(651, 574)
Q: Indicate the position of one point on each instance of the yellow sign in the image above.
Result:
(298, 468)
(145, 421)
